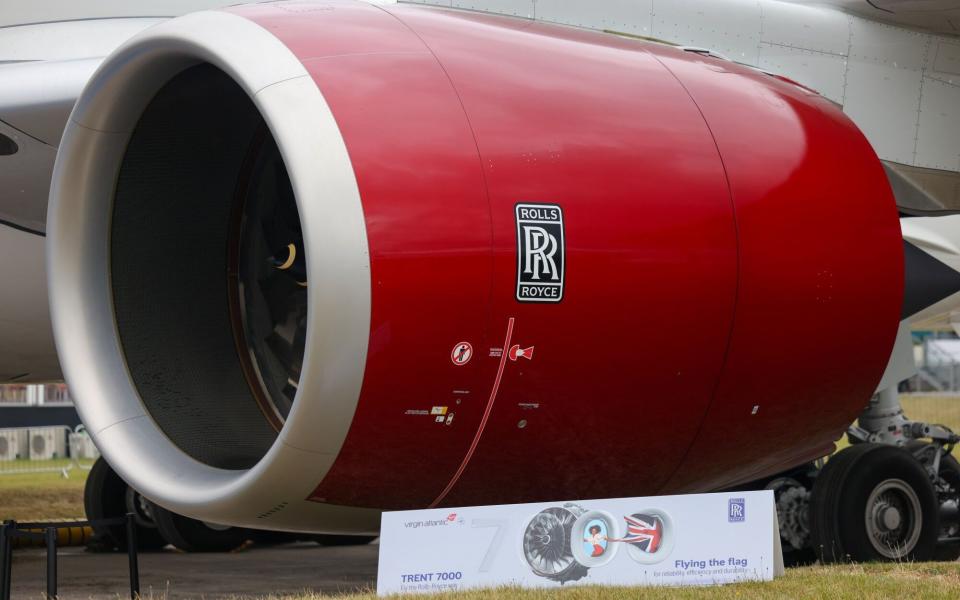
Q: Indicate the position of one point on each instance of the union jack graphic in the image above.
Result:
(644, 532)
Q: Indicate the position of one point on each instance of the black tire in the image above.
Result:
(842, 497)
(191, 535)
(104, 497)
(823, 536)
(343, 540)
(949, 473)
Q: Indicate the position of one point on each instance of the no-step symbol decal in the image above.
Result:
(461, 354)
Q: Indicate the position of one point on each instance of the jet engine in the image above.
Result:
(311, 261)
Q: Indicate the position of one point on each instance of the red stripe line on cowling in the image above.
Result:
(483, 421)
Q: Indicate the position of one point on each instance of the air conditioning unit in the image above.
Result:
(82, 446)
(13, 444)
(47, 443)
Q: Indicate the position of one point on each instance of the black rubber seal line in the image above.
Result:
(739, 271)
(17, 129)
(886, 10)
(926, 280)
(13, 225)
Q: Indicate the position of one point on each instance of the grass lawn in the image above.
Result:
(942, 410)
(42, 496)
(872, 581)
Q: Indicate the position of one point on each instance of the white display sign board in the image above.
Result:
(697, 539)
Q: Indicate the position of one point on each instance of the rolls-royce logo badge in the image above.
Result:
(540, 253)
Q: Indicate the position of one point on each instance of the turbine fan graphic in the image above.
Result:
(546, 546)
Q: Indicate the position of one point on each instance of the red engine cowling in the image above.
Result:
(539, 263)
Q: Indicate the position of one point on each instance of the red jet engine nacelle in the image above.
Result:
(301, 255)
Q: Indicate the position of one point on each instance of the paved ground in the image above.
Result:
(172, 575)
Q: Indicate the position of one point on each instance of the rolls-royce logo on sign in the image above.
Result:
(540, 253)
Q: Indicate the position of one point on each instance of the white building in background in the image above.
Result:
(35, 394)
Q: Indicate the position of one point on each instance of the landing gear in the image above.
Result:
(791, 493)
(106, 496)
(930, 445)
(191, 535)
(874, 502)
(894, 494)
(946, 483)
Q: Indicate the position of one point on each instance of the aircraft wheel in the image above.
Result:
(873, 502)
(191, 535)
(106, 496)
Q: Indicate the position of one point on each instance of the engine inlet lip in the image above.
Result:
(335, 243)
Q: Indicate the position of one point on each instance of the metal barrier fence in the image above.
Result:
(45, 449)
(11, 531)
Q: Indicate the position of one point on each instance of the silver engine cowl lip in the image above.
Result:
(81, 304)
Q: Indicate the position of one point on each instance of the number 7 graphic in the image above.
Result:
(495, 543)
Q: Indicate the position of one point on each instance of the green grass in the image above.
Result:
(943, 410)
(53, 464)
(845, 582)
(42, 496)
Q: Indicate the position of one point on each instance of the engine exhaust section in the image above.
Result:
(312, 261)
